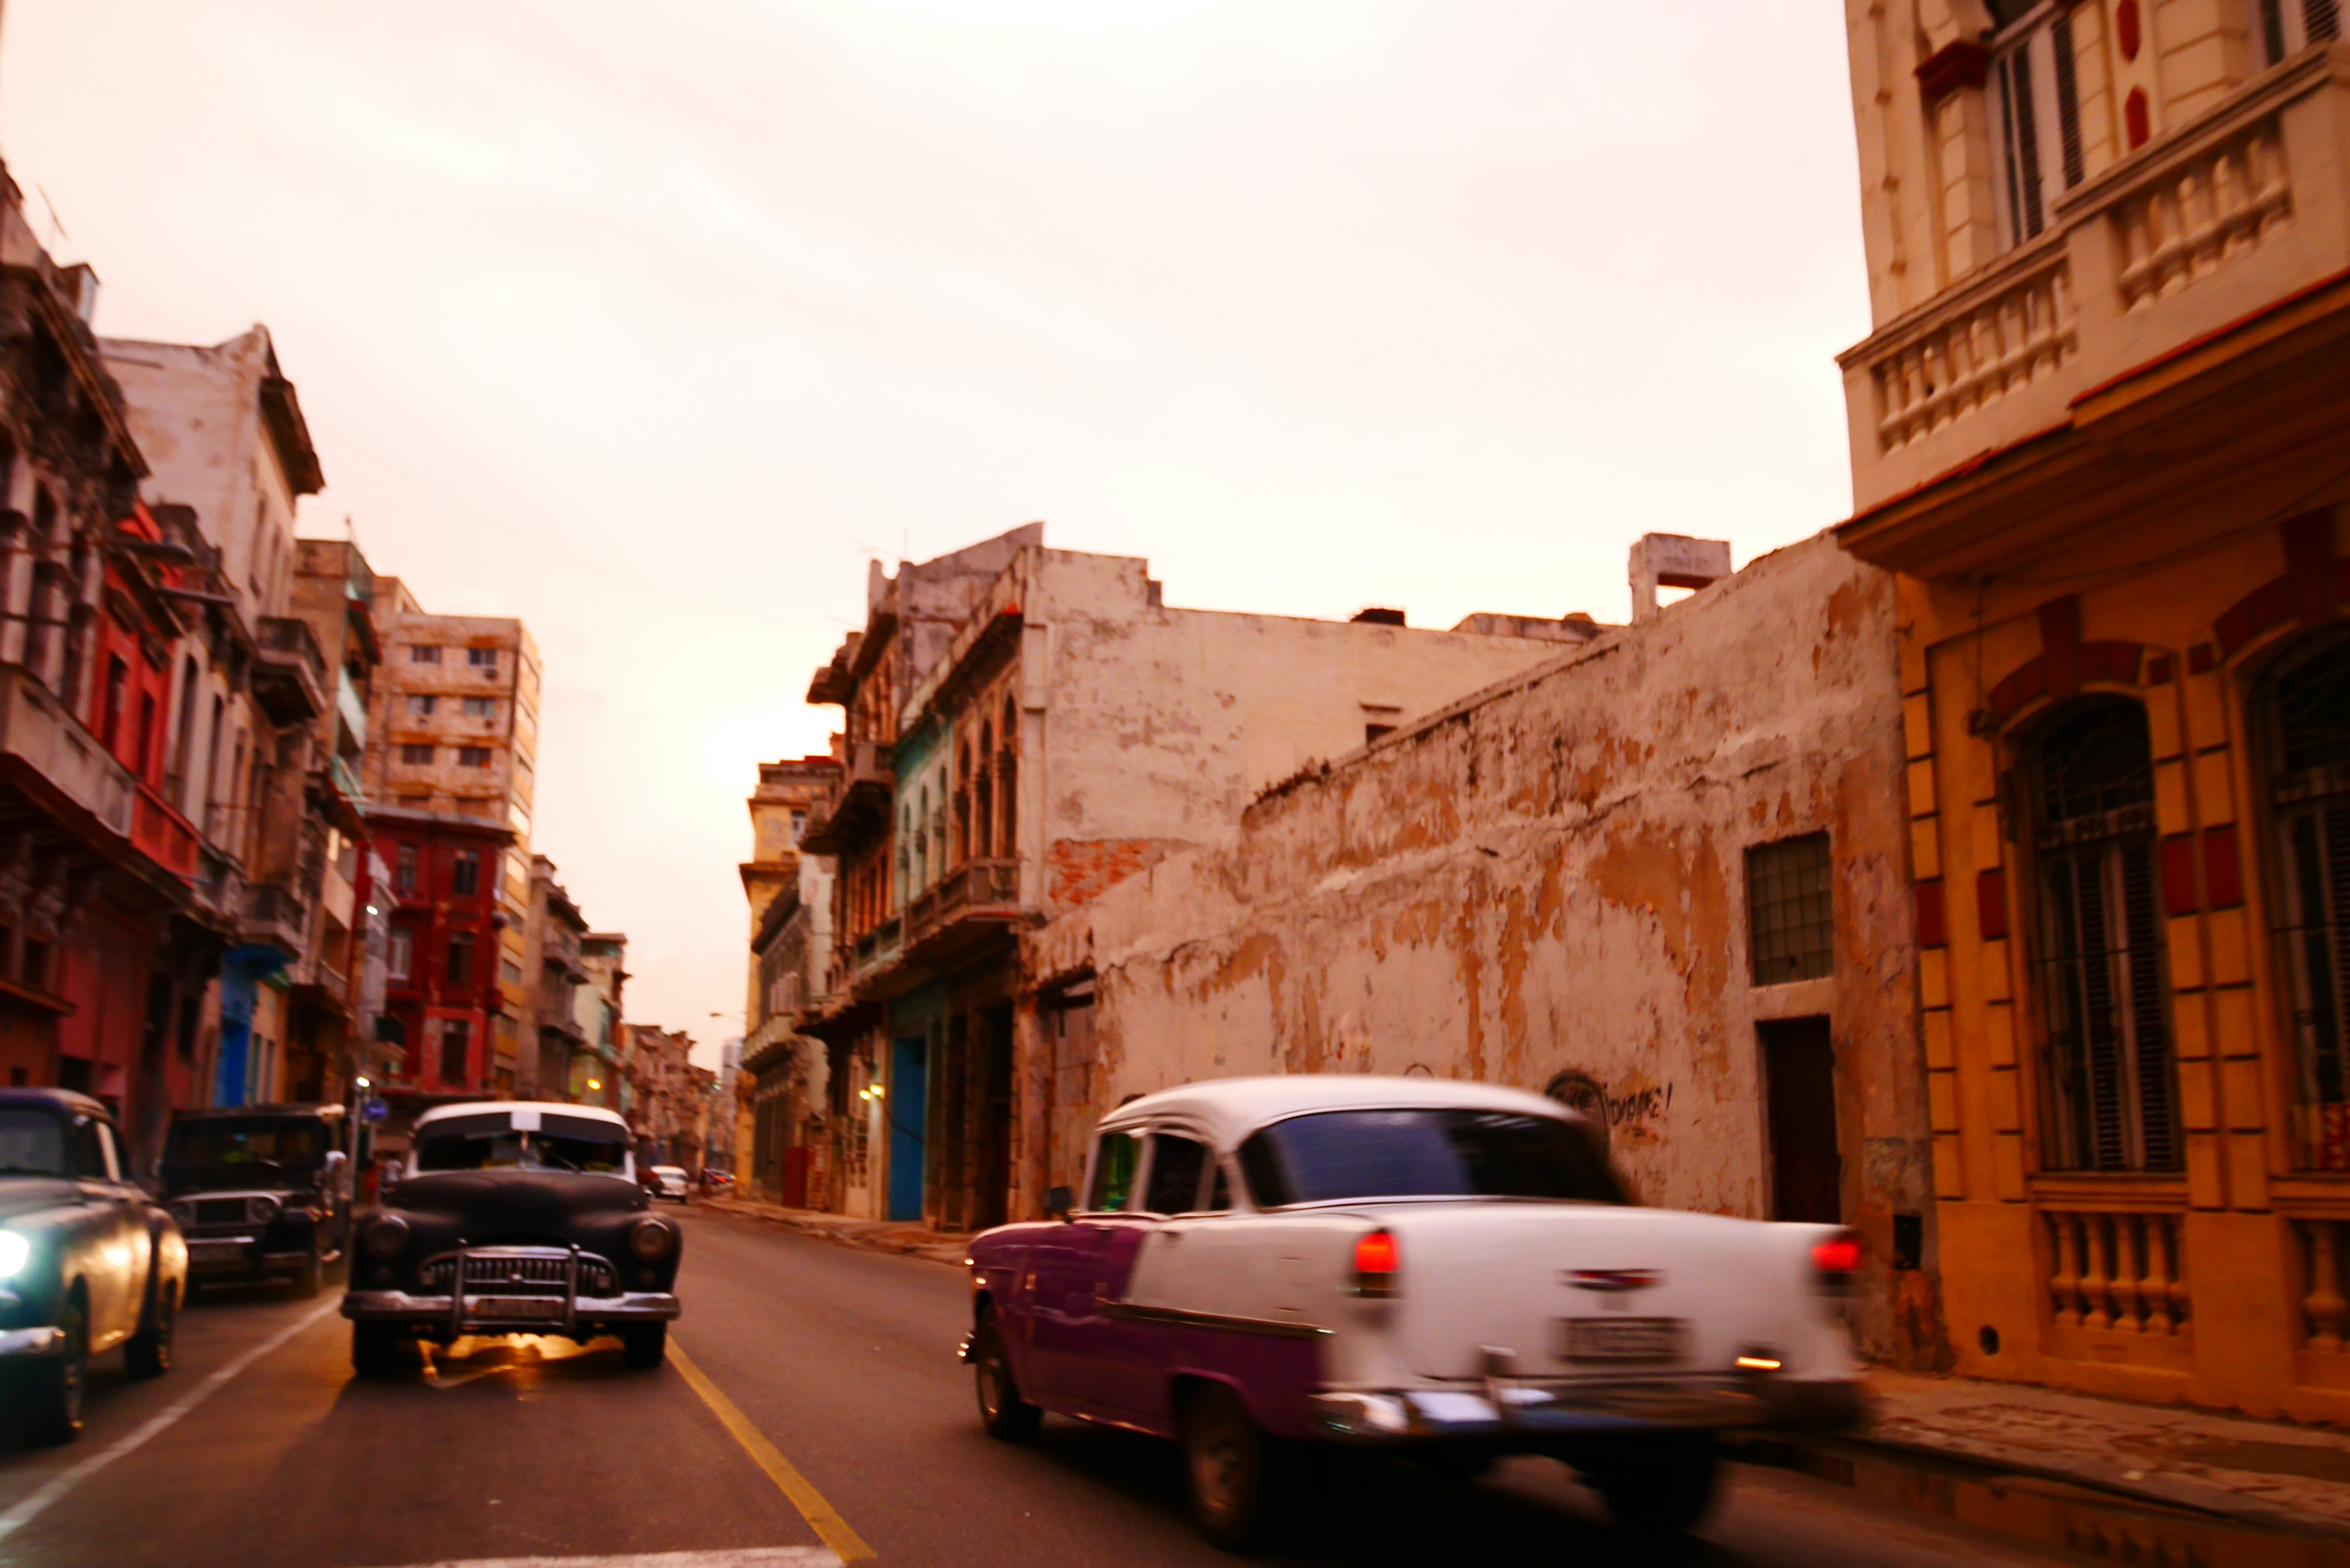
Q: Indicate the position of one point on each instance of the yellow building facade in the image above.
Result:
(2102, 431)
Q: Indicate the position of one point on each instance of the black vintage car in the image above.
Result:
(261, 1192)
(511, 1217)
(87, 1261)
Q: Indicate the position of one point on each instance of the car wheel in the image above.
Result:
(1235, 1475)
(53, 1413)
(1006, 1416)
(149, 1352)
(375, 1348)
(311, 1277)
(645, 1346)
(1663, 1489)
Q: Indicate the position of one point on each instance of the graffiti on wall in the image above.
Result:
(1625, 1115)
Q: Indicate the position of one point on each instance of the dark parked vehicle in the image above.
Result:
(262, 1193)
(513, 1217)
(87, 1261)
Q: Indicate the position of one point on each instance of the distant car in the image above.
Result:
(670, 1181)
(87, 1261)
(511, 1217)
(715, 1179)
(1449, 1272)
(261, 1192)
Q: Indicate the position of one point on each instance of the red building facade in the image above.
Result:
(442, 985)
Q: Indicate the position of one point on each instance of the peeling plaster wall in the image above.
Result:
(1550, 875)
(1160, 725)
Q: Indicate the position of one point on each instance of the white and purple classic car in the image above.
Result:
(1450, 1270)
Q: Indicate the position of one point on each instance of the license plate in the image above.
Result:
(215, 1251)
(533, 1309)
(1623, 1338)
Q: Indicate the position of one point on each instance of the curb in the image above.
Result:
(2159, 1490)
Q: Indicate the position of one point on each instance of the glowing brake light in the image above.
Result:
(1375, 1263)
(1840, 1256)
(1836, 1265)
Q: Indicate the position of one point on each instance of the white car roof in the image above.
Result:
(491, 1107)
(1228, 1109)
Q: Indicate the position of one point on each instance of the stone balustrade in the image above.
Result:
(2325, 1303)
(2120, 1271)
(2192, 234)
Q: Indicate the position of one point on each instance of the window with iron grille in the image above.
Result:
(423, 653)
(1791, 914)
(2307, 714)
(2099, 964)
(421, 756)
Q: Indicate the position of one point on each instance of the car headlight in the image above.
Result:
(650, 1241)
(386, 1237)
(264, 1209)
(184, 1213)
(14, 1254)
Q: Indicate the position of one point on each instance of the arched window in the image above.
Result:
(2111, 1104)
(1007, 784)
(982, 796)
(2307, 709)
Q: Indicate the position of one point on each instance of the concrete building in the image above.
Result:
(1026, 729)
(454, 732)
(2097, 429)
(667, 1105)
(596, 1067)
(228, 450)
(801, 1143)
(553, 972)
(329, 1041)
(1660, 877)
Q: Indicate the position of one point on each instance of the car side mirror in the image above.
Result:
(1059, 1202)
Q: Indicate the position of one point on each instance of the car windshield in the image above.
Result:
(270, 1143)
(1333, 1155)
(502, 1148)
(32, 1143)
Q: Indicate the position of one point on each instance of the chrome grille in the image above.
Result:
(512, 1271)
(222, 1210)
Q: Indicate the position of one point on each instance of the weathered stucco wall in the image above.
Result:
(1160, 725)
(1550, 875)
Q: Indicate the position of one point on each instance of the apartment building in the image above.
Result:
(1025, 728)
(453, 731)
(788, 1084)
(2098, 430)
(553, 972)
(227, 450)
(595, 1068)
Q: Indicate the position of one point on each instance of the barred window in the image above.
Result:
(2307, 704)
(1790, 909)
(2100, 960)
(411, 753)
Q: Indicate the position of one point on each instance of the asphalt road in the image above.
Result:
(819, 1383)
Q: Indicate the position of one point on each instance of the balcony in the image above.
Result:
(289, 673)
(2240, 215)
(985, 890)
(46, 749)
(276, 915)
(858, 804)
(162, 835)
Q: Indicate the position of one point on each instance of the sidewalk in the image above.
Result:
(873, 1235)
(2275, 1474)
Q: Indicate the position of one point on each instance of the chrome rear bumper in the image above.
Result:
(1518, 1410)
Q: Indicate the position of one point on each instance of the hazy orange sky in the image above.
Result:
(650, 323)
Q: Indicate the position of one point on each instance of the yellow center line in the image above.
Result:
(822, 1517)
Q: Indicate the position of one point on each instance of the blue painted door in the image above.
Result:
(908, 1102)
(229, 1080)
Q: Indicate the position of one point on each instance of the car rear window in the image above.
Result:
(1436, 1152)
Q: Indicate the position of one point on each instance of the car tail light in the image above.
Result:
(1377, 1264)
(1836, 1263)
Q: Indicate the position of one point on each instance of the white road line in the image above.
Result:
(65, 1481)
(738, 1557)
